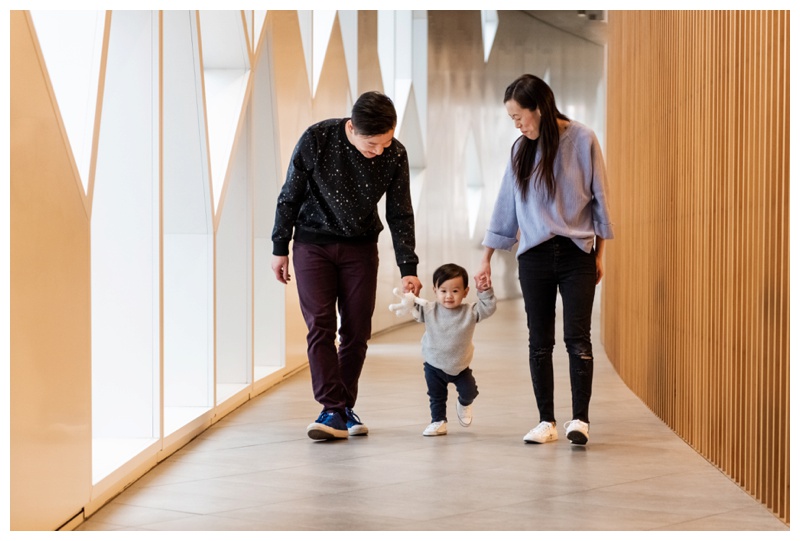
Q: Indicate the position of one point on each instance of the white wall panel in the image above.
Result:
(126, 237)
(188, 331)
(234, 275)
(269, 321)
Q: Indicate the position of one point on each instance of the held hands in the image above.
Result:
(483, 282)
(483, 278)
(412, 284)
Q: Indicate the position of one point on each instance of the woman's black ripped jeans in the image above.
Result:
(559, 265)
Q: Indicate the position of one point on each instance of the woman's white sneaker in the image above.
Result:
(439, 428)
(543, 432)
(577, 431)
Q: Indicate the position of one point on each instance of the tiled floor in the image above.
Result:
(257, 470)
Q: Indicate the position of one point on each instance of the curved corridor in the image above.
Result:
(257, 470)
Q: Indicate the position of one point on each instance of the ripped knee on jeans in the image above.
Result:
(584, 362)
(539, 355)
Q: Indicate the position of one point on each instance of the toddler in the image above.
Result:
(447, 343)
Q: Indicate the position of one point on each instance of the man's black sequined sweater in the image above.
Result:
(331, 194)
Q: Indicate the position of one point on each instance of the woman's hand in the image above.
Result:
(600, 272)
(599, 247)
(483, 278)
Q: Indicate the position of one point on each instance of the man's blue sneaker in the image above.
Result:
(354, 425)
(328, 426)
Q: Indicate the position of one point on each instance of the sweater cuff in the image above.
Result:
(605, 231)
(280, 248)
(498, 242)
(487, 294)
(408, 269)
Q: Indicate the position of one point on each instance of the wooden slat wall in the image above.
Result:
(696, 296)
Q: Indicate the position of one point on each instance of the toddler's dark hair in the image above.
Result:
(448, 272)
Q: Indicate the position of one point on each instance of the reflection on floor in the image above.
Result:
(257, 470)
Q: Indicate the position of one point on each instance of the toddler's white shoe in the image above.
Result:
(464, 414)
(439, 428)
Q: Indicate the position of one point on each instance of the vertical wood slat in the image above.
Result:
(695, 302)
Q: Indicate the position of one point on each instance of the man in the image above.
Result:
(339, 171)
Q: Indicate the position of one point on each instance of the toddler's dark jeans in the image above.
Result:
(437, 389)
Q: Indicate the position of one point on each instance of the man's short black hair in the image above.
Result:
(448, 272)
(373, 114)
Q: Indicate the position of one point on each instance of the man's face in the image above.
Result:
(372, 145)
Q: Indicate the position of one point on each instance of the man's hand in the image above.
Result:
(280, 266)
(411, 284)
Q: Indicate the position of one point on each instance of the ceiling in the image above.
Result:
(589, 25)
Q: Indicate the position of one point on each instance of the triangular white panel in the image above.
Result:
(72, 46)
(305, 20)
(409, 133)
(259, 18)
(247, 15)
(489, 23)
(225, 91)
(395, 50)
(386, 49)
(402, 89)
(186, 184)
(348, 25)
(224, 40)
(409, 130)
(226, 72)
(322, 26)
(473, 180)
(419, 69)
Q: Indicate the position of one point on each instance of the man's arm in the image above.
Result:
(400, 218)
(290, 200)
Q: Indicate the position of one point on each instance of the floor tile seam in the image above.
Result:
(161, 507)
(380, 453)
(214, 516)
(565, 498)
(101, 523)
(778, 522)
(134, 507)
(235, 447)
(496, 508)
(170, 489)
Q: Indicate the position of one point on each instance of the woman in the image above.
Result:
(553, 193)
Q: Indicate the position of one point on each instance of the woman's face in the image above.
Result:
(525, 120)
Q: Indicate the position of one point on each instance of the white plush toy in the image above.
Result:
(407, 305)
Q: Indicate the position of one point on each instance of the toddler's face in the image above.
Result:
(451, 292)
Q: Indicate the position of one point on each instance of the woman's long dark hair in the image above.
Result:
(531, 92)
